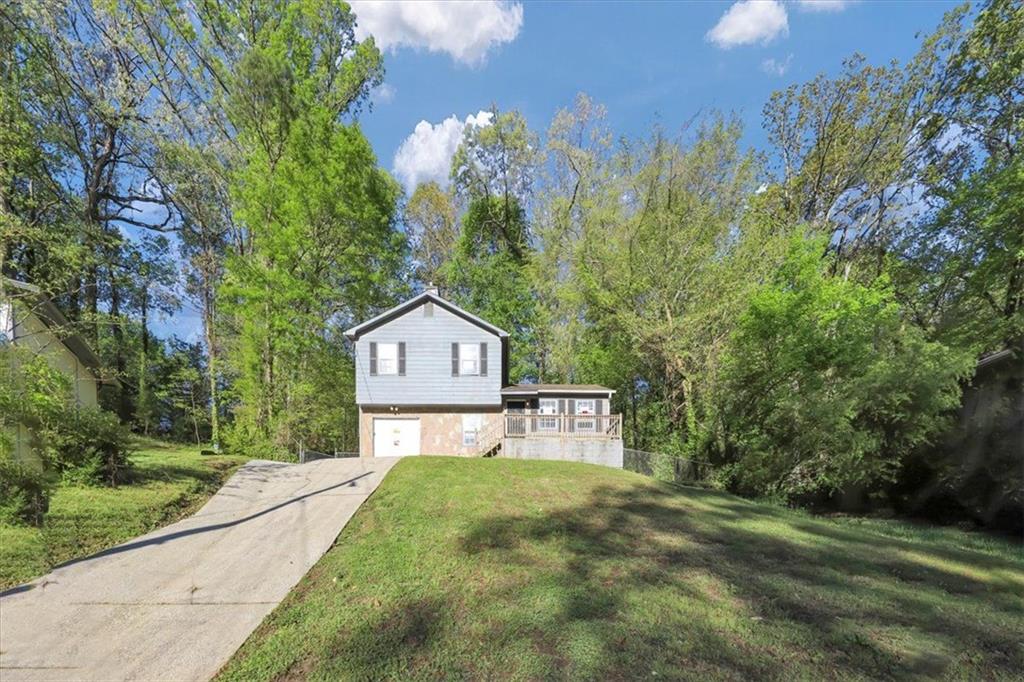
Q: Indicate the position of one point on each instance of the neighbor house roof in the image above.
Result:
(534, 389)
(42, 307)
(402, 308)
(995, 358)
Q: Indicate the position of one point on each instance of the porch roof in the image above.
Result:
(536, 389)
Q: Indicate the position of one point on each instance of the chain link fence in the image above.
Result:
(665, 467)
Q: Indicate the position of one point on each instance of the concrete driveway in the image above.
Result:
(177, 603)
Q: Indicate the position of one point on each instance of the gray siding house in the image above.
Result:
(432, 378)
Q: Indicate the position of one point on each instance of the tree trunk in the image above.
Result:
(123, 408)
(143, 402)
(212, 367)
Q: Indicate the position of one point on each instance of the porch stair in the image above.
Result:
(492, 441)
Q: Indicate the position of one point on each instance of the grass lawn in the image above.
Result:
(511, 569)
(170, 482)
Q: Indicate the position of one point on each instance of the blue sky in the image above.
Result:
(647, 62)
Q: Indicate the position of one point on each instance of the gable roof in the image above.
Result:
(402, 308)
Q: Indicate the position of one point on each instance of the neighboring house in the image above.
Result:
(432, 378)
(29, 319)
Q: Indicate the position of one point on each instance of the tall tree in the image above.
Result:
(964, 262)
(431, 218)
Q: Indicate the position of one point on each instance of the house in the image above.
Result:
(432, 378)
(30, 320)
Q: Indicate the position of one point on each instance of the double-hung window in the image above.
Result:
(585, 408)
(469, 359)
(548, 408)
(471, 425)
(387, 358)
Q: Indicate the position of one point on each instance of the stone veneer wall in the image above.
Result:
(440, 429)
(606, 452)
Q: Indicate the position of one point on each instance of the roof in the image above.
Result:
(995, 358)
(402, 308)
(533, 389)
(43, 308)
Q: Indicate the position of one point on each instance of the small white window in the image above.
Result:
(548, 406)
(471, 425)
(387, 358)
(469, 358)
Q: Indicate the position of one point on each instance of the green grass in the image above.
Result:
(169, 482)
(471, 568)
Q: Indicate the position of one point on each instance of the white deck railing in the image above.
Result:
(568, 426)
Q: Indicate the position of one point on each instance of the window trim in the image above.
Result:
(547, 421)
(471, 436)
(382, 357)
(472, 356)
(586, 424)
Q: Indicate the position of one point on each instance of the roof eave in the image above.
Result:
(355, 332)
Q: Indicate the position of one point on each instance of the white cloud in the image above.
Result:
(823, 5)
(465, 30)
(776, 67)
(427, 153)
(750, 21)
(384, 94)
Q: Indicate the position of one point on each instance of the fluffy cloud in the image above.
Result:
(427, 153)
(750, 21)
(823, 5)
(465, 30)
(776, 67)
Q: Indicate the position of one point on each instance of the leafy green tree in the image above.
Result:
(487, 276)
(826, 388)
(963, 264)
(324, 249)
(655, 250)
(432, 220)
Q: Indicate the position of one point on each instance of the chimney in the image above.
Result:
(431, 289)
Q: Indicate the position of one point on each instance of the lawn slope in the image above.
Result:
(169, 482)
(524, 570)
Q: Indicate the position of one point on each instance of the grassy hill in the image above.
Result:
(522, 569)
(169, 482)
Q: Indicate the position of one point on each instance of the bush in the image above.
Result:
(826, 389)
(90, 446)
(24, 493)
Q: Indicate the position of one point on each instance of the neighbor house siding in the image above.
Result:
(428, 376)
(31, 332)
(28, 331)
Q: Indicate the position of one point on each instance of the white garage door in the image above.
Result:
(396, 437)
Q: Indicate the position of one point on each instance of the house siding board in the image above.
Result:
(428, 376)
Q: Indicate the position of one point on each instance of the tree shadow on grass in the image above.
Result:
(814, 596)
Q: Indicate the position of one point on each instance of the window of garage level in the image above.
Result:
(471, 425)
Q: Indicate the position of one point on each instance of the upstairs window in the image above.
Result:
(469, 359)
(387, 358)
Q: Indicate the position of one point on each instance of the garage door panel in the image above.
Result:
(396, 437)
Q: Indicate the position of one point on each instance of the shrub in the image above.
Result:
(90, 446)
(24, 493)
(826, 388)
